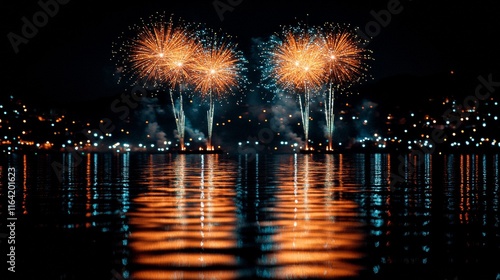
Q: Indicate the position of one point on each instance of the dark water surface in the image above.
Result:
(293, 216)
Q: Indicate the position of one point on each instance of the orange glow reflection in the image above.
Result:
(315, 237)
(183, 228)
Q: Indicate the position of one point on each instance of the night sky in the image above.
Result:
(68, 59)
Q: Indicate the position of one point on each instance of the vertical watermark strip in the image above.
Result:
(29, 29)
(381, 19)
(11, 219)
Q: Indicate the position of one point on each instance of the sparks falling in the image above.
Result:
(217, 70)
(345, 61)
(179, 66)
(298, 64)
(161, 54)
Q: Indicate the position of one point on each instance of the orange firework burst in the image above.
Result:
(298, 59)
(152, 51)
(344, 55)
(345, 61)
(181, 60)
(216, 69)
(158, 53)
(305, 59)
(149, 51)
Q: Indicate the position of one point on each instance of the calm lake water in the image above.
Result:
(290, 216)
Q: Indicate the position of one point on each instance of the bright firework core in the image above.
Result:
(217, 71)
(161, 54)
(305, 60)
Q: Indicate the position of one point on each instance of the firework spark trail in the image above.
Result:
(304, 112)
(346, 64)
(330, 116)
(179, 115)
(210, 121)
(217, 70)
(161, 53)
(298, 65)
(180, 63)
(305, 59)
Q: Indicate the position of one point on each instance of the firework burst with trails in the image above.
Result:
(159, 53)
(346, 64)
(296, 64)
(218, 71)
(179, 64)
